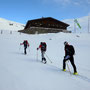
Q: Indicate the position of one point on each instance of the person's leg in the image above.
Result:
(64, 61)
(42, 54)
(72, 62)
(25, 50)
(64, 64)
(43, 58)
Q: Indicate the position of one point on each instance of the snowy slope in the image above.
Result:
(25, 72)
(10, 25)
(83, 21)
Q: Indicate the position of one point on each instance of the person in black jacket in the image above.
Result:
(69, 52)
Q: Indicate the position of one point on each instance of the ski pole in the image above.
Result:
(28, 49)
(19, 47)
(68, 68)
(37, 56)
(48, 58)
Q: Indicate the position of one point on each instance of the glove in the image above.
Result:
(67, 57)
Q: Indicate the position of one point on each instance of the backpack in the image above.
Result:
(43, 46)
(25, 43)
(71, 50)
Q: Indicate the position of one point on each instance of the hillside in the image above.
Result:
(83, 21)
(26, 72)
(10, 25)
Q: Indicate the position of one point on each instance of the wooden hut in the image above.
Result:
(45, 25)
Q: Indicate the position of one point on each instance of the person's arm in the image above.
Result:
(21, 43)
(39, 47)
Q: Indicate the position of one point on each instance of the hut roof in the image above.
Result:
(46, 19)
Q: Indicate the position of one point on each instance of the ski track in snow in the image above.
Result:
(84, 78)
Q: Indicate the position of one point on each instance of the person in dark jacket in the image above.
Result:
(26, 44)
(69, 52)
(43, 47)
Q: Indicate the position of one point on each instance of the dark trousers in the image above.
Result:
(25, 50)
(72, 62)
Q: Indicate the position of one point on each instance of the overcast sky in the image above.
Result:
(23, 10)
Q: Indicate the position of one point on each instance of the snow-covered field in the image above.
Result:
(26, 72)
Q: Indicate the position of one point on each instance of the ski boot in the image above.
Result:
(44, 60)
(64, 70)
(75, 73)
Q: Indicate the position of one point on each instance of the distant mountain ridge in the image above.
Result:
(10, 25)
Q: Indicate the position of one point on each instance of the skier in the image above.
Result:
(25, 43)
(43, 46)
(69, 52)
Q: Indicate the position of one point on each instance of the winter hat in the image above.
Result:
(65, 43)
